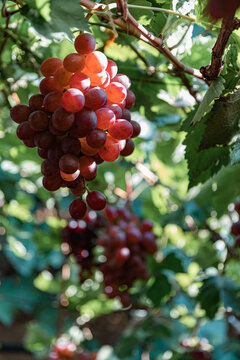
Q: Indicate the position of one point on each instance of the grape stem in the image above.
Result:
(132, 27)
(212, 71)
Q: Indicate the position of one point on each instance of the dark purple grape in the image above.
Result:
(96, 138)
(71, 145)
(44, 139)
(85, 121)
(20, 113)
(38, 120)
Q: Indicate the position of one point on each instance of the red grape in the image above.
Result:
(50, 65)
(122, 79)
(84, 43)
(62, 77)
(130, 99)
(48, 85)
(96, 62)
(105, 118)
(95, 98)
(88, 167)
(96, 200)
(69, 163)
(24, 131)
(96, 138)
(85, 121)
(36, 102)
(116, 92)
(38, 120)
(77, 209)
(136, 129)
(44, 139)
(74, 62)
(71, 145)
(20, 113)
(112, 68)
(80, 81)
(52, 101)
(121, 129)
(73, 100)
(62, 120)
(128, 149)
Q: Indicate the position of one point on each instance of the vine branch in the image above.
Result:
(212, 71)
(132, 27)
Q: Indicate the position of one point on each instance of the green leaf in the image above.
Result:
(216, 291)
(143, 16)
(159, 289)
(235, 155)
(172, 262)
(214, 91)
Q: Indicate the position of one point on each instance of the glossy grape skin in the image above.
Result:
(55, 153)
(73, 100)
(130, 99)
(77, 209)
(52, 101)
(116, 109)
(24, 131)
(43, 153)
(62, 120)
(62, 77)
(105, 118)
(36, 102)
(96, 138)
(121, 129)
(85, 121)
(69, 163)
(88, 167)
(96, 200)
(50, 65)
(136, 129)
(74, 62)
(20, 113)
(38, 120)
(126, 114)
(80, 81)
(122, 79)
(128, 149)
(95, 98)
(116, 92)
(52, 183)
(85, 43)
(110, 151)
(96, 62)
(86, 149)
(48, 85)
(69, 177)
(48, 169)
(112, 69)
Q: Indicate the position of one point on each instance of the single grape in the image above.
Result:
(20, 113)
(52, 183)
(126, 115)
(52, 101)
(95, 98)
(116, 92)
(85, 121)
(128, 149)
(96, 200)
(116, 109)
(44, 139)
(130, 99)
(110, 151)
(121, 129)
(96, 138)
(71, 145)
(43, 153)
(38, 120)
(29, 143)
(105, 118)
(112, 69)
(84, 43)
(48, 169)
(80, 81)
(149, 242)
(69, 163)
(77, 209)
(88, 167)
(36, 102)
(55, 131)
(62, 120)
(24, 131)
(50, 66)
(99, 79)
(96, 62)
(48, 85)
(74, 62)
(73, 100)
(136, 129)
(122, 79)
(146, 225)
(62, 77)
(123, 254)
(134, 235)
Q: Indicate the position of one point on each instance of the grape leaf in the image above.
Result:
(143, 16)
(219, 290)
(214, 91)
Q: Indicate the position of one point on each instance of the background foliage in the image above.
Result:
(194, 285)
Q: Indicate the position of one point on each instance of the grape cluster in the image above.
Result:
(126, 243)
(80, 119)
(81, 237)
(68, 351)
(235, 229)
(221, 8)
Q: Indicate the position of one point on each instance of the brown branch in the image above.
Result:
(212, 71)
(132, 27)
(149, 67)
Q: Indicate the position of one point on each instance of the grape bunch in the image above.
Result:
(81, 237)
(68, 351)
(79, 119)
(126, 243)
(221, 8)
